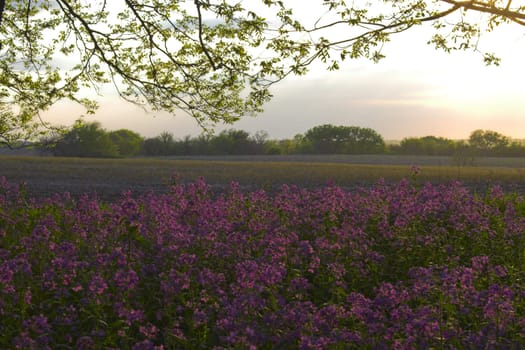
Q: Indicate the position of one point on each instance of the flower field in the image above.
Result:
(393, 266)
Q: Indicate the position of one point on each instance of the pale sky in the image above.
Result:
(414, 91)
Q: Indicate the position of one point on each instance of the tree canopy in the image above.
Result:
(87, 140)
(129, 143)
(331, 139)
(213, 59)
(428, 145)
(488, 142)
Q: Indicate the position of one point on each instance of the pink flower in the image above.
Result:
(97, 285)
(77, 288)
(27, 297)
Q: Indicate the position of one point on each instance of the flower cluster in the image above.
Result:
(392, 266)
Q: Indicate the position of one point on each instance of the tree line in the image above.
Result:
(91, 140)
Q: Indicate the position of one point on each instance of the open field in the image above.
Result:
(109, 177)
(393, 265)
(371, 159)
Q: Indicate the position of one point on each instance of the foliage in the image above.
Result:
(128, 142)
(16, 129)
(428, 145)
(480, 143)
(331, 139)
(161, 145)
(154, 147)
(392, 266)
(323, 139)
(87, 140)
(488, 142)
(214, 60)
(230, 142)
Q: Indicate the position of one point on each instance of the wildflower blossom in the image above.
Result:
(391, 266)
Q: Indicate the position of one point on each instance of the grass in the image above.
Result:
(44, 175)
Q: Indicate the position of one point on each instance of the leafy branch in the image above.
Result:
(214, 60)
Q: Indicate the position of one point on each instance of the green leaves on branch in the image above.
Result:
(213, 59)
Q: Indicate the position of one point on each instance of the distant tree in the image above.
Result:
(259, 141)
(199, 145)
(331, 139)
(410, 145)
(184, 146)
(260, 136)
(287, 146)
(166, 137)
(515, 149)
(153, 146)
(488, 142)
(427, 145)
(365, 140)
(298, 145)
(232, 141)
(87, 140)
(129, 143)
(273, 147)
(326, 139)
(167, 142)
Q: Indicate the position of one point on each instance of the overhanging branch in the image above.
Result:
(489, 7)
(201, 40)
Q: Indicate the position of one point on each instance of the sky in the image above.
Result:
(415, 91)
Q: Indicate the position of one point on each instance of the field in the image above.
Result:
(109, 178)
(181, 263)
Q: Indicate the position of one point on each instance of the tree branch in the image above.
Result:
(201, 41)
(396, 26)
(481, 6)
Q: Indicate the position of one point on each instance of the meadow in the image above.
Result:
(109, 177)
(393, 264)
